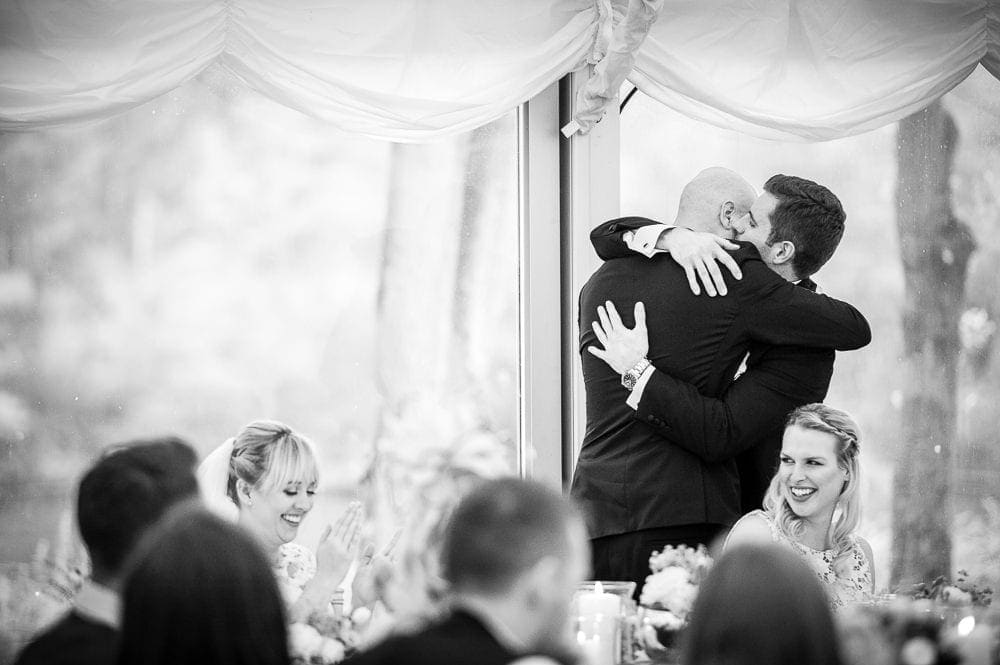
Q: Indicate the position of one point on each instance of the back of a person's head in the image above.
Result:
(501, 529)
(810, 216)
(704, 196)
(126, 491)
(199, 590)
(761, 604)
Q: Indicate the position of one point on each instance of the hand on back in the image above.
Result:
(623, 346)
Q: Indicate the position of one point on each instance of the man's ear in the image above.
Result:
(732, 219)
(727, 215)
(782, 252)
(540, 581)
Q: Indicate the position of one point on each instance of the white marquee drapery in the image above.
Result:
(400, 70)
(813, 69)
(411, 70)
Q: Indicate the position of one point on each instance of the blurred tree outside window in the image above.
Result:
(210, 258)
(951, 459)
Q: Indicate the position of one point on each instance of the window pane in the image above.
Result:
(211, 258)
(662, 150)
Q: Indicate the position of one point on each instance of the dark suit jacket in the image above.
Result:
(459, 639)
(748, 421)
(629, 476)
(74, 640)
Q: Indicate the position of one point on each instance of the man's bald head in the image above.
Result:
(714, 199)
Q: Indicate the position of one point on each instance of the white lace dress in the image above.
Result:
(296, 565)
(856, 587)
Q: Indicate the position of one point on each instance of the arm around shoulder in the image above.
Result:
(781, 313)
(607, 237)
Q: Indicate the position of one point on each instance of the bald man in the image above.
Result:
(639, 491)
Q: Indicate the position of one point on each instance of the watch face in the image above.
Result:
(629, 380)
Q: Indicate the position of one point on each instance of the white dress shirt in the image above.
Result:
(98, 603)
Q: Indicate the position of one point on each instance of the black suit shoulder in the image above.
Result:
(460, 639)
(73, 640)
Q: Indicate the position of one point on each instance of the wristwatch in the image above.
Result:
(631, 377)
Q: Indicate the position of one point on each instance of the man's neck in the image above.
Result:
(503, 617)
(785, 270)
(697, 223)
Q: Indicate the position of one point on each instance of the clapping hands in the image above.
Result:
(338, 546)
(375, 570)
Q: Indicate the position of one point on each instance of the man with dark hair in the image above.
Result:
(641, 485)
(514, 552)
(798, 219)
(129, 488)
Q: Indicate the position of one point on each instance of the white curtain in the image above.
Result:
(404, 70)
(410, 70)
(614, 62)
(813, 69)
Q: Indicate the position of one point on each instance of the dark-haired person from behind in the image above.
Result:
(760, 604)
(514, 552)
(123, 494)
(199, 590)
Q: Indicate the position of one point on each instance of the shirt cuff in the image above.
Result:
(643, 240)
(640, 385)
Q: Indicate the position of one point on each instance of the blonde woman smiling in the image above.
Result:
(813, 505)
(264, 479)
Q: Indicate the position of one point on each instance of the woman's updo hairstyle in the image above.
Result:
(268, 454)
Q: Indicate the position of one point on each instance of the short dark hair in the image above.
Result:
(501, 529)
(808, 215)
(127, 490)
(761, 604)
(199, 589)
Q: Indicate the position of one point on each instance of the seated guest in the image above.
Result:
(818, 474)
(514, 552)
(200, 590)
(265, 479)
(760, 604)
(119, 498)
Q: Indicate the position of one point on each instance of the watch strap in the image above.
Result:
(631, 376)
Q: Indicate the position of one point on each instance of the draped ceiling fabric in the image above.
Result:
(614, 64)
(413, 70)
(402, 70)
(813, 69)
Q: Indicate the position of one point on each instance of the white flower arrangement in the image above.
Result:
(673, 584)
(309, 646)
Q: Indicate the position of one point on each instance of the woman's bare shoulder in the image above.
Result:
(752, 528)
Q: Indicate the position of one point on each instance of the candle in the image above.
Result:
(598, 615)
(591, 604)
(975, 644)
(592, 650)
